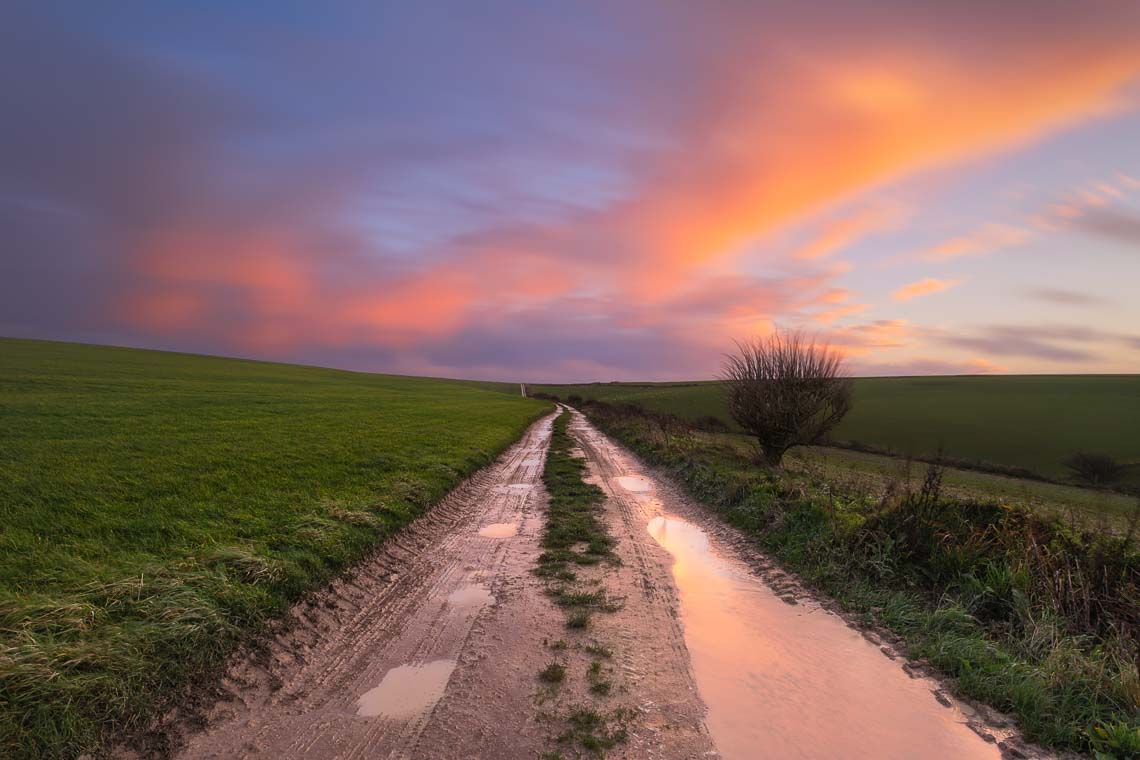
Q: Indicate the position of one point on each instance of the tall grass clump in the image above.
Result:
(1028, 614)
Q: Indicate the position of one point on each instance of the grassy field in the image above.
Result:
(157, 508)
(1033, 422)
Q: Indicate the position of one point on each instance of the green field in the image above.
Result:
(1032, 422)
(156, 508)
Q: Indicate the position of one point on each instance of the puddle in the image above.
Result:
(407, 691)
(520, 486)
(794, 681)
(499, 530)
(531, 462)
(470, 596)
(635, 483)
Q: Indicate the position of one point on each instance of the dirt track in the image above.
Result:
(432, 648)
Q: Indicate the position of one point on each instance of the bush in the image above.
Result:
(1094, 469)
(786, 391)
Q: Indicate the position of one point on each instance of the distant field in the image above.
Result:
(156, 507)
(1033, 422)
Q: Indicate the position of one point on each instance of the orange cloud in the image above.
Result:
(827, 317)
(840, 233)
(871, 337)
(785, 143)
(991, 237)
(923, 288)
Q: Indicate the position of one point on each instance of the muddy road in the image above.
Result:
(433, 648)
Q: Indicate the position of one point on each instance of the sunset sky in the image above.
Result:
(576, 191)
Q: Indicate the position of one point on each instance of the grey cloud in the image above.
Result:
(1119, 224)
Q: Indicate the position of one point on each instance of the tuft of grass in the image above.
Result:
(595, 731)
(599, 651)
(578, 620)
(1027, 614)
(599, 684)
(158, 509)
(555, 672)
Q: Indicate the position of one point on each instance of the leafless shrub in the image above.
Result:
(786, 390)
(1094, 469)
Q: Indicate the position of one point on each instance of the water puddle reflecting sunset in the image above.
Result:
(635, 483)
(470, 596)
(499, 530)
(407, 691)
(787, 681)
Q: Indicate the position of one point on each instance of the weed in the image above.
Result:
(578, 619)
(599, 684)
(553, 673)
(593, 730)
(599, 651)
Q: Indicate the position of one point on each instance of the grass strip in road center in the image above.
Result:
(573, 533)
(575, 537)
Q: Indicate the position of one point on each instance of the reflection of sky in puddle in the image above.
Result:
(470, 596)
(635, 483)
(407, 691)
(499, 530)
(797, 684)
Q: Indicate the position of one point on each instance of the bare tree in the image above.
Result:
(786, 390)
(1094, 469)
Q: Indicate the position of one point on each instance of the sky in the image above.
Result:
(576, 191)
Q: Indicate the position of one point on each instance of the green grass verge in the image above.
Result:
(157, 509)
(573, 534)
(859, 471)
(1032, 422)
(1023, 613)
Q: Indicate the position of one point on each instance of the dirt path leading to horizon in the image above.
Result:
(432, 648)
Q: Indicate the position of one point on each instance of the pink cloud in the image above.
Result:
(837, 234)
(923, 287)
(987, 239)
